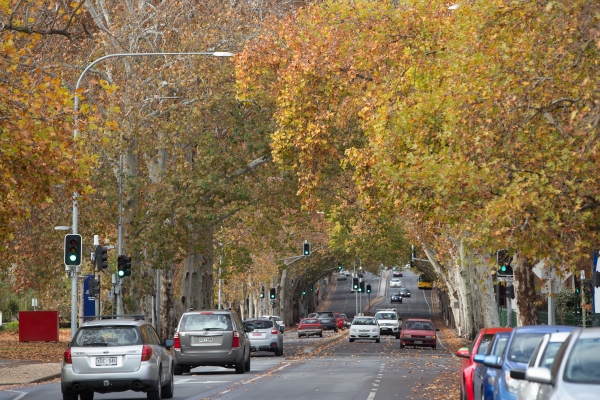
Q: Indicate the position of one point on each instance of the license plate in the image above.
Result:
(363, 335)
(257, 334)
(383, 328)
(104, 361)
(418, 342)
(205, 339)
(325, 320)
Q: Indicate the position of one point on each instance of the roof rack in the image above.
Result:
(386, 309)
(135, 317)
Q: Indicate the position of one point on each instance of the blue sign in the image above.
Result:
(595, 290)
(89, 302)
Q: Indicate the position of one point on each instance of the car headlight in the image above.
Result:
(429, 337)
(406, 336)
(375, 329)
(512, 385)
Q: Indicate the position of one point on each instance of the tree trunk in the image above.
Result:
(525, 292)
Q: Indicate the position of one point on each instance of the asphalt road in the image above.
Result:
(363, 370)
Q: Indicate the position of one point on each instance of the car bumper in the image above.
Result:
(264, 344)
(389, 330)
(216, 358)
(330, 326)
(396, 300)
(418, 342)
(364, 335)
(309, 332)
(140, 380)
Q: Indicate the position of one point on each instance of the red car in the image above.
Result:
(418, 332)
(479, 346)
(341, 323)
(310, 326)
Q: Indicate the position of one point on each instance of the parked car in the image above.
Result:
(365, 328)
(395, 282)
(396, 298)
(575, 372)
(521, 345)
(277, 319)
(388, 321)
(309, 327)
(480, 345)
(484, 377)
(404, 292)
(266, 335)
(418, 332)
(211, 337)
(543, 356)
(397, 273)
(112, 355)
(328, 320)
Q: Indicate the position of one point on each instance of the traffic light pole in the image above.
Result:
(582, 290)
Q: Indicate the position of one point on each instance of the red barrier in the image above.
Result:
(38, 326)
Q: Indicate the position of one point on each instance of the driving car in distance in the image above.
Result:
(310, 327)
(575, 372)
(211, 338)
(397, 273)
(404, 292)
(328, 320)
(418, 332)
(424, 282)
(395, 298)
(480, 345)
(388, 321)
(395, 282)
(265, 336)
(110, 355)
(364, 328)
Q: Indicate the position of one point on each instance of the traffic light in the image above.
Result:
(596, 279)
(123, 266)
(306, 249)
(368, 288)
(588, 288)
(93, 287)
(340, 266)
(361, 287)
(505, 271)
(262, 295)
(355, 283)
(101, 257)
(273, 293)
(303, 292)
(72, 249)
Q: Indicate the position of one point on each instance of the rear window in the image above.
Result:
(309, 321)
(484, 345)
(206, 322)
(418, 325)
(325, 315)
(583, 363)
(523, 346)
(107, 336)
(386, 315)
(260, 323)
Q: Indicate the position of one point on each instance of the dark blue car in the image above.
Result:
(521, 345)
(484, 377)
(396, 298)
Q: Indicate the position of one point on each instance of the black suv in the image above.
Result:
(328, 320)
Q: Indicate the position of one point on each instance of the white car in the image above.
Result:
(277, 319)
(365, 328)
(387, 318)
(395, 282)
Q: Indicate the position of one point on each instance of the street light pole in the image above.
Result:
(75, 270)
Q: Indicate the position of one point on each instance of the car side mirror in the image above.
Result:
(281, 328)
(479, 358)
(169, 343)
(437, 329)
(463, 352)
(539, 375)
(517, 373)
(492, 362)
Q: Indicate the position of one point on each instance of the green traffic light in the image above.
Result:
(503, 268)
(121, 273)
(73, 257)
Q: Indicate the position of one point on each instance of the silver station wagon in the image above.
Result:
(211, 337)
(116, 355)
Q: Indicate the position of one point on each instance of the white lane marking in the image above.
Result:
(425, 297)
(20, 396)
(371, 396)
(258, 377)
(193, 381)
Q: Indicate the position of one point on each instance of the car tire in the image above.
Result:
(398, 335)
(168, 389)
(401, 346)
(278, 352)
(462, 393)
(86, 395)
(177, 369)
(377, 340)
(155, 392)
(433, 347)
(247, 365)
(240, 368)
(351, 340)
(321, 334)
(299, 336)
(70, 396)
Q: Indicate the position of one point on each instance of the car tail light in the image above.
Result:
(67, 356)
(176, 341)
(235, 342)
(273, 331)
(146, 352)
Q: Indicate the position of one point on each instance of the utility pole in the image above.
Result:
(582, 290)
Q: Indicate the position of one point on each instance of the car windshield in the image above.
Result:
(364, 321)
(259, 323)
(418, 325)
(386, 315)
(523, 346)
(325, 315)
(500, 346)
(107, 336)
(583, 365)
(309, 321)
(206, 322)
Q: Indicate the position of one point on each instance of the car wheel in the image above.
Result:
(247, 365)
(278, 352)
(86, 395)
(70, 396)
(177, 369)
(155, 392)
(299, 336)
(240, 368)
(169, 388)
(377, 340)
(321, 334)
(281, 350)
(433, 347)
(401, 346)
(398, 335)
(351, 340)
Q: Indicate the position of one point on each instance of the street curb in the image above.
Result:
(38, 380)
